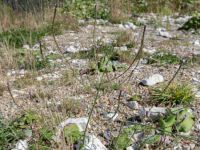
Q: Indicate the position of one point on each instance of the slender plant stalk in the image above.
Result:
(118, 104)
(11, 95)
(120, 130)
(94, 31)
(41, 51)
(55, 41)
(91, 112)
(53, 24)
(138, 55)
(174, 76)
(95, 53)
(141, 53)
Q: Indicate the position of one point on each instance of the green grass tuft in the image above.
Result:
(163, 58)
(175, 94)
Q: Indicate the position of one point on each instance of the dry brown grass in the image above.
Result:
(11, 19)
(7, 59)
(118, 12)
(126, 38)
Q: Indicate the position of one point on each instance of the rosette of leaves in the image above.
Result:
(124, 139)
(177, 121)
(105, 65)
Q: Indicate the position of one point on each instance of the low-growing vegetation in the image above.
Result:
(192, 24)
(84, 74)
(13, 131)
(175, 94)
(163, 58)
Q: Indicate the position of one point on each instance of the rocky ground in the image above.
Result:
(67, 92)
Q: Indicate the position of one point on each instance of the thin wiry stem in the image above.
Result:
(56, 43)
(118, 105)
(138, 55)
(91, 111)
(41, 51)
(174, 76)
(53, 24)
(97, 94)
(94, 31)
(11, 95)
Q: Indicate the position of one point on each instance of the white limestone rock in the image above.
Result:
(21, 145)
(152, 112)
(152, 80)
(148, 50)
(111, 115)
(71, 49)
(129, 25)
(182, 20)
(197, 94)
(162, 32)
(196, 43)
(80, 122)
(93, 143)
(26, 46)
(80, 62)
(122, 48)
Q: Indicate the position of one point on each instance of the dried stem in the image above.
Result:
(41, 51)
(118, 104)
(174, 76)
(91, 112)
(97, 94)
(11, 95)
(53, 23)
(94, 31)
(138, 55)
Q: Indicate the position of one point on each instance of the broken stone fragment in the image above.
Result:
(93, 143)
(197, 94)
(148, 50)
(152, 111)
(196, 43)
(182, 19)
(122, 48)
(71, 49)
(111, 115)
(127, 25)
(152, 80)
(133, 105)
(21, 145)
(80, 122)
(81, 63)
(162, 32)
